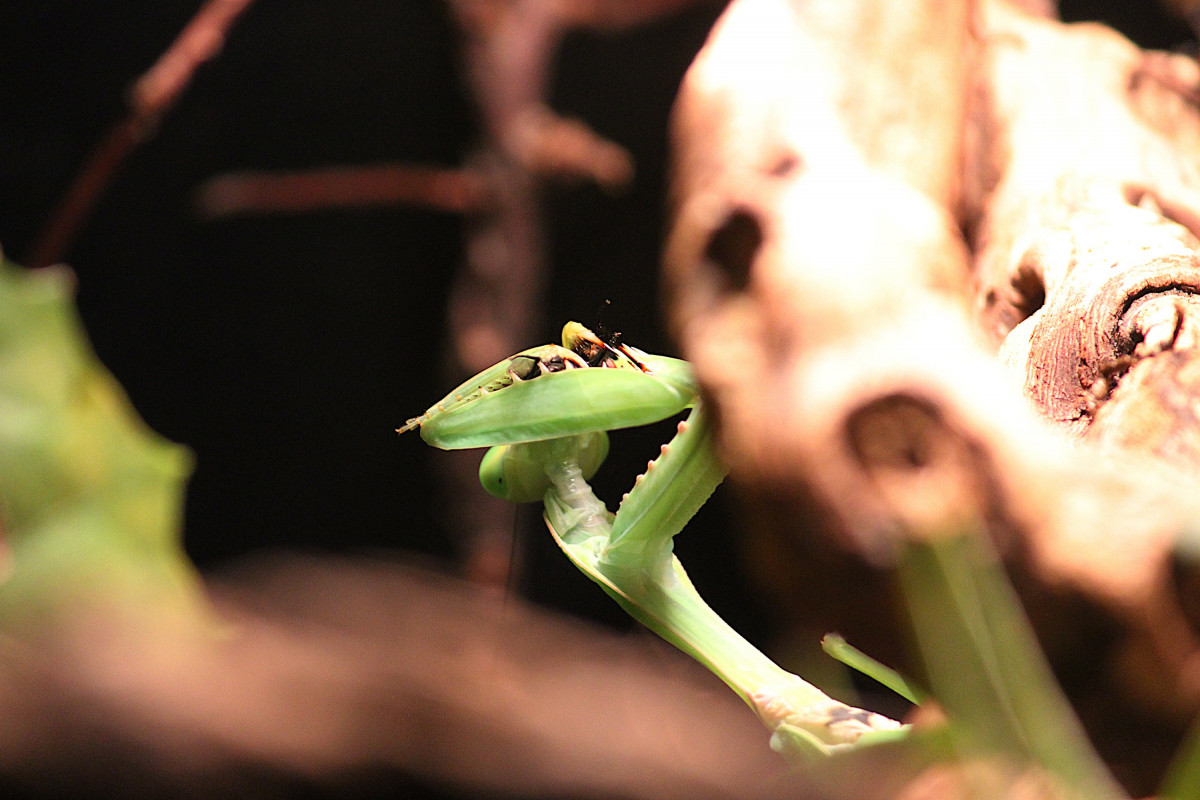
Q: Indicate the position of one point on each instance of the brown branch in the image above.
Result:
(507, 49)
(149, 99)
(459, 191)
(548, 145)
(328, 670)
(565, 149)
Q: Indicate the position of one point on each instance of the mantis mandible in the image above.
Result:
(544, 413)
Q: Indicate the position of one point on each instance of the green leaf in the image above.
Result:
(90, 497)
(984, 665)
(1182, 781)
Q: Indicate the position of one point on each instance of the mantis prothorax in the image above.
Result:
(544, 412)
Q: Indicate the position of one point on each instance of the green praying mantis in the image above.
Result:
(544, 413)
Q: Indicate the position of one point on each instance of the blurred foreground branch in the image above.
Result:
(336, 673)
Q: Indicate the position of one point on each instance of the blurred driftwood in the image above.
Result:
(828, 160)
(345, 673)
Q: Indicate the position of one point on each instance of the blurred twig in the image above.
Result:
(454, 190)
(149, 99)
(330, 671)
(507, 51)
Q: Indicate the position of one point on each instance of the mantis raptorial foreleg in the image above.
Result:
(545, 411)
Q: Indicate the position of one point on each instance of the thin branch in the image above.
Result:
(458, 191)
(149, 100)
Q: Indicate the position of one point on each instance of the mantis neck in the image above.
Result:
(584, 516)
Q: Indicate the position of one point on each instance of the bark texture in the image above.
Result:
(873, 201)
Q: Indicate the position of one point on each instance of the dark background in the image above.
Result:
(285, 349)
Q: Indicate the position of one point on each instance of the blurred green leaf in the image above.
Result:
(1182, 781)
(984, 665)
(90, 497)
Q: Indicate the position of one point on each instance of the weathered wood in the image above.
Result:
(1087, 185)
(819, 279)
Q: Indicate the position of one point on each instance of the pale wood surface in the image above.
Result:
(973, 291)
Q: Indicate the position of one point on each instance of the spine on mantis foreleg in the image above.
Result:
(666, 496)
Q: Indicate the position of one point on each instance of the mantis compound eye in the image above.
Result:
(524, 368)
(554, 364)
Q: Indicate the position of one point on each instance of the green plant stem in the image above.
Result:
(984, 664)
